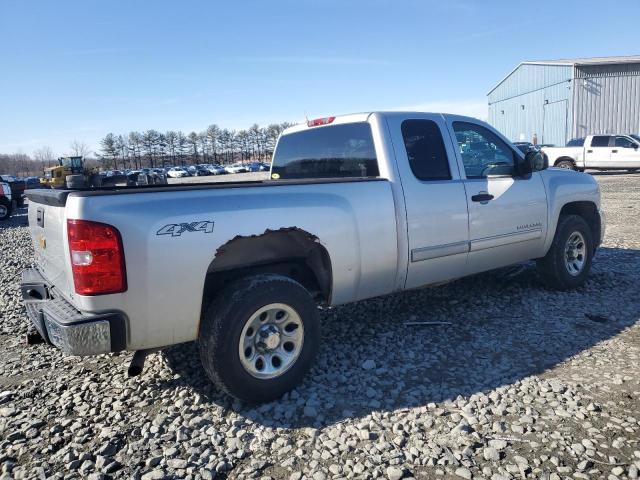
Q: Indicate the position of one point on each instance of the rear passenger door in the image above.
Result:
(598, 154)
(436, 207)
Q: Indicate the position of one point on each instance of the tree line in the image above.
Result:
(153, 149)
(213, 145)
(20, 164)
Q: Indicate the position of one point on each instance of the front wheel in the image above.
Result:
(566, 164)
(259, 337)
(5, 209)
(567, 263)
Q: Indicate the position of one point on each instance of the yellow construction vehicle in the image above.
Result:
(70, 173)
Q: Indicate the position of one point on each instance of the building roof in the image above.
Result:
(587, 61)
(574, 62)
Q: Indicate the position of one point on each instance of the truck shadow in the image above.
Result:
(611, 173)
(502, 326)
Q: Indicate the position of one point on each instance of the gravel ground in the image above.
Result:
(523, 383)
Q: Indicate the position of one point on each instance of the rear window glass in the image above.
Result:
(600, 141)
(425, 150)
(336, 151)
(575, 142)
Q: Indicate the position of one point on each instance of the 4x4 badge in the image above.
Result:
(177, 229)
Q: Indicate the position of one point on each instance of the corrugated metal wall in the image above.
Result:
(534, 99)
(606, 99)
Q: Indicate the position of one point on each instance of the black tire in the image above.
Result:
(553, 267)
(222, 326)
(5, 209)
(566, 164)
(75, 181)
(20, 203)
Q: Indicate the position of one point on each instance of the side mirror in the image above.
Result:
(525, 166)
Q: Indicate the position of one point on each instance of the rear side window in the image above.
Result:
(600, 141)
(575, 142)
(425, 150)
(336, 151)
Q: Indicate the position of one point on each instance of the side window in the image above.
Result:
(600, 141)
(625, 142)
(483, 152)
(425, 150)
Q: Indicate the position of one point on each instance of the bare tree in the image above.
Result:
(44, 155)
(79, 149)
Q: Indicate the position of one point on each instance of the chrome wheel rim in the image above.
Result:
(3, 211)
(575, 254)
(271, 341)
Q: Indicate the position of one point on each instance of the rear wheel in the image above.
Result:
(567, 164)
(259, 337)
(5, 209)
(567, 263)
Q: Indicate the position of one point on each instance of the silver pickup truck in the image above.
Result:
(356, 206)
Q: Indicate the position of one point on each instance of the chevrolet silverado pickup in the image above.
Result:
(356, 206)
(597, 152)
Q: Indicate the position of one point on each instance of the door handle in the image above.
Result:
(589, 151)
(614, 151)
(482, 197)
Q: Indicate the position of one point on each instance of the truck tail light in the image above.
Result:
(320, 121)
(97, 258)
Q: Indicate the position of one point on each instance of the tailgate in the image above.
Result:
(47, 226)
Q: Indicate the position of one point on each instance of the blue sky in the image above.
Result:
(76, 70)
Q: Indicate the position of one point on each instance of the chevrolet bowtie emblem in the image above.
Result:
(43, 242)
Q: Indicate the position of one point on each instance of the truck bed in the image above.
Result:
(58, 198)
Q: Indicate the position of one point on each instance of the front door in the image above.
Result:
(436, 206)
(625, 153)
(598, 154)
(507, 213)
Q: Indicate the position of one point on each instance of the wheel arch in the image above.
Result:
(291, 252)
(587, 210)
(564, 159)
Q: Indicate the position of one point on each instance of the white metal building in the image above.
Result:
(562, 99)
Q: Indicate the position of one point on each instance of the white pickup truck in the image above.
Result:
(357, 206)
(597, 152)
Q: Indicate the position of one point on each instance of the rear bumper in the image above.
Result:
(65, 327)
